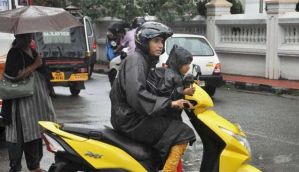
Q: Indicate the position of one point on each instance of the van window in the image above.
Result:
(69, 43)
(196, 46)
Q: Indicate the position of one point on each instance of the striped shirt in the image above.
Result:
(31, 110)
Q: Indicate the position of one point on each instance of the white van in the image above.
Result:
(204, 56)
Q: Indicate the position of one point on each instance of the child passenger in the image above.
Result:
(168, 82)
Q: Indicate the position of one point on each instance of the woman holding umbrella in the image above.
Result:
(23, 134)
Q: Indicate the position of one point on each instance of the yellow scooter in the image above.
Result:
(87, 149)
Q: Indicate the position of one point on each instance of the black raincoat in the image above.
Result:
(168, 82)
(139, 114)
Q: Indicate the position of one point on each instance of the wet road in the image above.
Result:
(271, 123)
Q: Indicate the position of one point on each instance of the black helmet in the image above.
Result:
(148, 31)
(137, 22)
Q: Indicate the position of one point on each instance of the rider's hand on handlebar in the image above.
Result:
(189, 91)
(197, 82)
(181, 103)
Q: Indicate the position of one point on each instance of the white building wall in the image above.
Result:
(254, 6)
(264, 45)
(242, 64)
(289, 68)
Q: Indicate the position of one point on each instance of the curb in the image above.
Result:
(261, 88)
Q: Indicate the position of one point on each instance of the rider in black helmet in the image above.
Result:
(137, 22)
(148, 31)
(139, 114)
(128, 40)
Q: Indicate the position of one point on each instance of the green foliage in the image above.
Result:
(50, 3)
(165, 10)
(201, 8)
(168, 10)
(115, 8)
(235, 9)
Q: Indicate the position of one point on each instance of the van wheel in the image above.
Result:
(74, 91)
(210, 90)
(111, 75)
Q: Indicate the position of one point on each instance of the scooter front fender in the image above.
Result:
(248, 168)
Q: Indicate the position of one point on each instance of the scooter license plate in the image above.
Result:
(58, 76)
(202, 83)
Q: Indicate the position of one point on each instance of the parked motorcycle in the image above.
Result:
(225, 147)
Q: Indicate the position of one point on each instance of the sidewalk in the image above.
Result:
(244, 82)
(262, 84)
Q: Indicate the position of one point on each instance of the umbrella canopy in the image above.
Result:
(31, 19)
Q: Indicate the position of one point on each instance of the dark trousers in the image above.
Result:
(33, 150)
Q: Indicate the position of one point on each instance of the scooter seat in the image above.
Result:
(110, 136)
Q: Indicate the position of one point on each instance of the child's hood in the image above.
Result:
(178, 57)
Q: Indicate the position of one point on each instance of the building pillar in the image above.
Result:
(274, 32)
(215, 8)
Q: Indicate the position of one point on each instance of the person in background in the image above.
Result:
(115, 34)
(111, 45)
(139, 114)
(23, 134)
(129, 39)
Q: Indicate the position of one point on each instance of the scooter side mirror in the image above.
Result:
(197, 70)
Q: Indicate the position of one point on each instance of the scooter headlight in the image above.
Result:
(243, 140)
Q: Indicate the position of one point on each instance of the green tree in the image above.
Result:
(169, 10)
(165, 10)
(50, 3)
(201, 8)
(235, 9)
(123, 9)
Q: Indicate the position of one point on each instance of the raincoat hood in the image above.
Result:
(178, 57)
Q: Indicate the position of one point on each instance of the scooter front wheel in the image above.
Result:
(60, 167)
(111, 75)
(57, 167)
